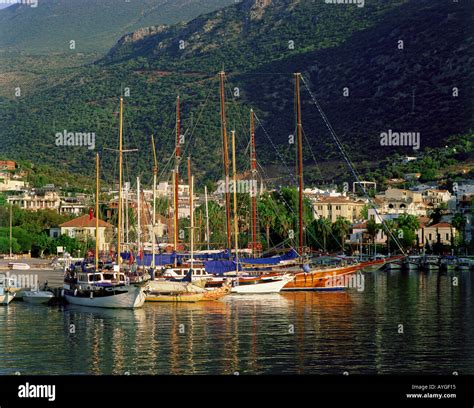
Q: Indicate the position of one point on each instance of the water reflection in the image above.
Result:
(404, 322)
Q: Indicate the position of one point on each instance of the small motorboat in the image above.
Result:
(37, 296)
(430, 263)
(18, 266)
(448, 263)
(6, 296)
(394, 265)
(412, 262)
(465, 264)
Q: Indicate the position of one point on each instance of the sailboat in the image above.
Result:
(312, 278)
(180, 291)
(262, 284)
(107, 289)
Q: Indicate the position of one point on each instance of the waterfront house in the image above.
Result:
(400, 201)
(436, 197)
(333, 207)
(429, 234)
(84, 227)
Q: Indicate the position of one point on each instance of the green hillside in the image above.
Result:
(95, 25)
(335, 46)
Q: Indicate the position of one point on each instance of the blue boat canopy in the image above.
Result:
(220, 267)
(291, 254)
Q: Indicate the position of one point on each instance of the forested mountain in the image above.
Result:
(95, 25)
(392, 65)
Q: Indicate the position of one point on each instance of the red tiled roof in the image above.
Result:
(337, 200)
(85, 222)
(362, 225)
(441, 225)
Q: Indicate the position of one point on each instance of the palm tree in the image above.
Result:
(459, 222)
(267, 215)
(410, 222)
(323, 226)
(372, 229)
(389, 227)
(341, 229)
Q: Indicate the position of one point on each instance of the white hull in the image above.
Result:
(37, 297)
(431, 267)
(266, 287)
(393, 266)
(6, 298)
(19, 266)
(412, 266)
(133, 298)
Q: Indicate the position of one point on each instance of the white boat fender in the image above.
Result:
(75, 292)
(62, 293)
(92, 295)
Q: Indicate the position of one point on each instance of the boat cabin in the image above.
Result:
(177, 273)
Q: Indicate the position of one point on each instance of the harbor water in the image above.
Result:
(400, 323)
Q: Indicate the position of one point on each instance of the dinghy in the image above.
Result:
(37, 296)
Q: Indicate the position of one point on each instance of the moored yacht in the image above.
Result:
(448, 263)
(100, 289)
(430, 263)
(465, 264)
(412, 262)
(263, 284)
(395, 265)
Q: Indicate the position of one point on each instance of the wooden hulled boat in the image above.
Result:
(321, 279)
(188, 297)
(166, 286)
(174, 297)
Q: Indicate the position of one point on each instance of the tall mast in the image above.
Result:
(253, 188)
(236, 221)
(175, 217)
(191, 230)
(300, 160)
(139, 216)
(119, 258)
(176, 171)
(155, 174)
(226, 158)
(191, 211)
(126, 208)
(189, 173)
(207, 218)
(11, 229)
(97, 212)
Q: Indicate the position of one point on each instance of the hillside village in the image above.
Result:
(440, 217)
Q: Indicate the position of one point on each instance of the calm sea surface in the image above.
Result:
(288, 333)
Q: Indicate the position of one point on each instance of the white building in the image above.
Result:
(36, 201)
(84, 227)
